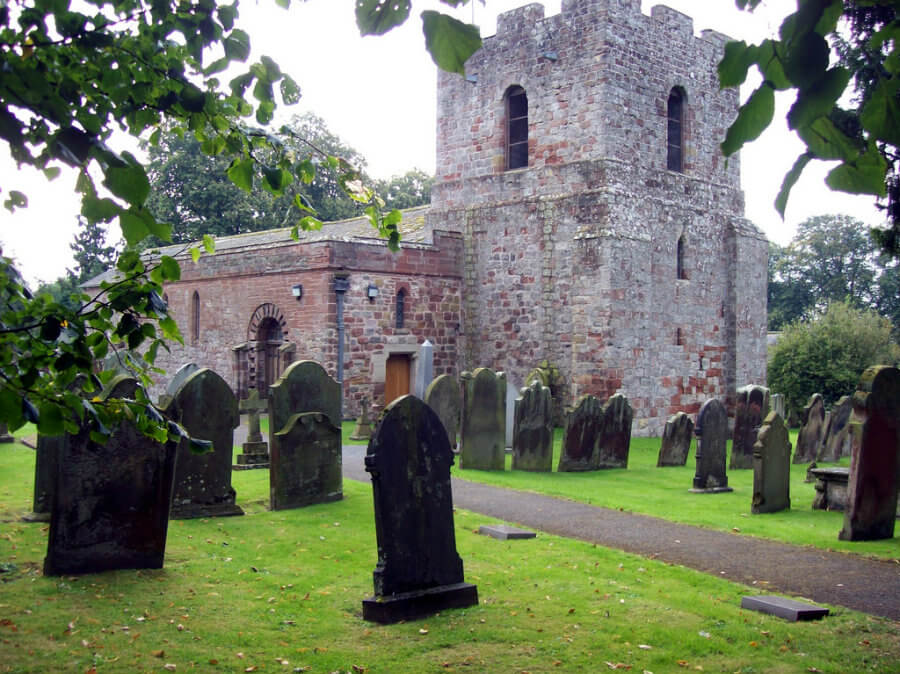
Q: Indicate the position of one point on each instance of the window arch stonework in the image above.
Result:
(516, 137)
(675, 116)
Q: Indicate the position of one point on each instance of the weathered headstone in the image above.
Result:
(180, 376)
(615, 438)
(207, 408)
(304, 387)
(584, 426)
(444, 397)
(711, 430)
(875, 462)
(810, 437)
(777, 402)
(771, 467)
(533, 429)
(419, 571)
(512, 395)
(751, 407)
(483, 431)
(305, 463)
(46, 457)
(676, 440)
(836, 442)
(424, 368)
(111, 500)
(363, 429)
(255, 449)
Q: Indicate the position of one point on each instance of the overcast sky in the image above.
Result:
(378, 94)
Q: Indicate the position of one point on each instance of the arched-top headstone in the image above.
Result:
(533, 429)
(751, 407)
(615, 439)
(676, 440)
(809, 440)
(584, 425)
(208, 409)
(122, 386)
(304, 387)
(711, 430)
(771, 467)
(444, 397)
(483, 433)
(181, 374)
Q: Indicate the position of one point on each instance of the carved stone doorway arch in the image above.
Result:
(262, 358)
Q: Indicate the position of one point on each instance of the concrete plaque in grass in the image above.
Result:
(789, 609)
(505, 532)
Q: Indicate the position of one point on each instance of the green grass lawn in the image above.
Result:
(282, 591)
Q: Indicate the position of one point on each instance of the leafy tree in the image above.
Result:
(827, 355)
(411, 189)
(91, 251)
(789, 295)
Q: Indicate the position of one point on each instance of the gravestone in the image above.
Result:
(751, 407)
(255, 449)
(424, 368)
(836, 442)
(304, 386)
(180, 376)
(512, 395)
(810, 437)
(615, 438)
(305, 463)
(584, 426)
(363, 429)
(419, 571)
(676, 440)
(533, 429)
(444, 397)
(207, 408)
(111, 500)
(711, 430)
(771, 467)
(483, 428)
(777, 402)
(5, 435)
(875, 462)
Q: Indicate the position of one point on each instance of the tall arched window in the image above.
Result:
(516, 128)
(195, 318)
(675, 136)
(400, 307)
(680, 272)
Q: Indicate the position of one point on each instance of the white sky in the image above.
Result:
(378, 94)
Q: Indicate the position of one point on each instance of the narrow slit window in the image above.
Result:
(516, 128)
(195, 318)
(401, 307)
(675, 142)
(680, 272)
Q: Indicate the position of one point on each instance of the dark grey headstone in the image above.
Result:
(46, 458)
(584, 425)
(305, 463)
(836, 442)
(444, 397)
(751, 407)
(676, 440)
(483, 432)
(789, 609)
(875, 463)
(615, 438)
(711, 430)
(505, 532)
(771, 467)
(813, 427)
(419, 571)
(533, 429)
(207, 408)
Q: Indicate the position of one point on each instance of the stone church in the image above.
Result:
(582, 215)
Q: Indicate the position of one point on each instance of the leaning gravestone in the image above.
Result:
(751, 407)
(676, 440)
(836, 442)
(615, 438)
(444, 397)
(771, 467)
(419, 571)
(711, 430)
(483, 432)
(533, 429)
(207, 408)
(875, 462)
(584, 426)
(810, 437)
(304, 449)
(255, 450)
(110, 500)
(180, 376)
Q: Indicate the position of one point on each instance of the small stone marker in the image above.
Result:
(533, 429)
(419, 571)
(837, 433)
(676, 440)
(305, 463)
(810, 437)
(5, 435)
(712, 435)
(444, 397)
(363, 430)
(512, 396)
(615, 438)
(751, 407)
(584, 425)
(771, 467)
(256, 450)
(505, 532)
(789, 609)
(483, 436)
(424, 368)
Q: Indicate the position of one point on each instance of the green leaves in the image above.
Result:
(128, 181)
(753, 118)
(377, 17)
(241, 173)
(449, 41)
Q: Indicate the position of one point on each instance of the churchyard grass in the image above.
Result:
(282, 591)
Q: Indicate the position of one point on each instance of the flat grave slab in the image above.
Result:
(789, 609)
(504, 532)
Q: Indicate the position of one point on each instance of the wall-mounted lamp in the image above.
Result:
(473, 79)
(372, 292)
(297, 291)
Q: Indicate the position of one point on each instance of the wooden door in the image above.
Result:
(396, 377)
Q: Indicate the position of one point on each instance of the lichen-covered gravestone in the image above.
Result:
(615, 438)
(751, 407)
(419, 571)
(771, 467)
(711, 430)
(533, 429)
(836, 442)
(180, 376)
(110, 500)
(584, 425)
(207, 408)
(810, 437)
(483, 432)
(444, 397)
(676, 440)
(875, 463)
(304, 437)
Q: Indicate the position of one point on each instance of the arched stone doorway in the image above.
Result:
(262, 358)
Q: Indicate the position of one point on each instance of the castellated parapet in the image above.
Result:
(627, 274)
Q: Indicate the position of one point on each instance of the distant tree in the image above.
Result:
(91, 252)
(411, 189)
(828, 354)
(789, 295)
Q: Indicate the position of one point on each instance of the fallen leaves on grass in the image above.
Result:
(617, 665)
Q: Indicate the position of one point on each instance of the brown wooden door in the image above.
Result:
(396, 377)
